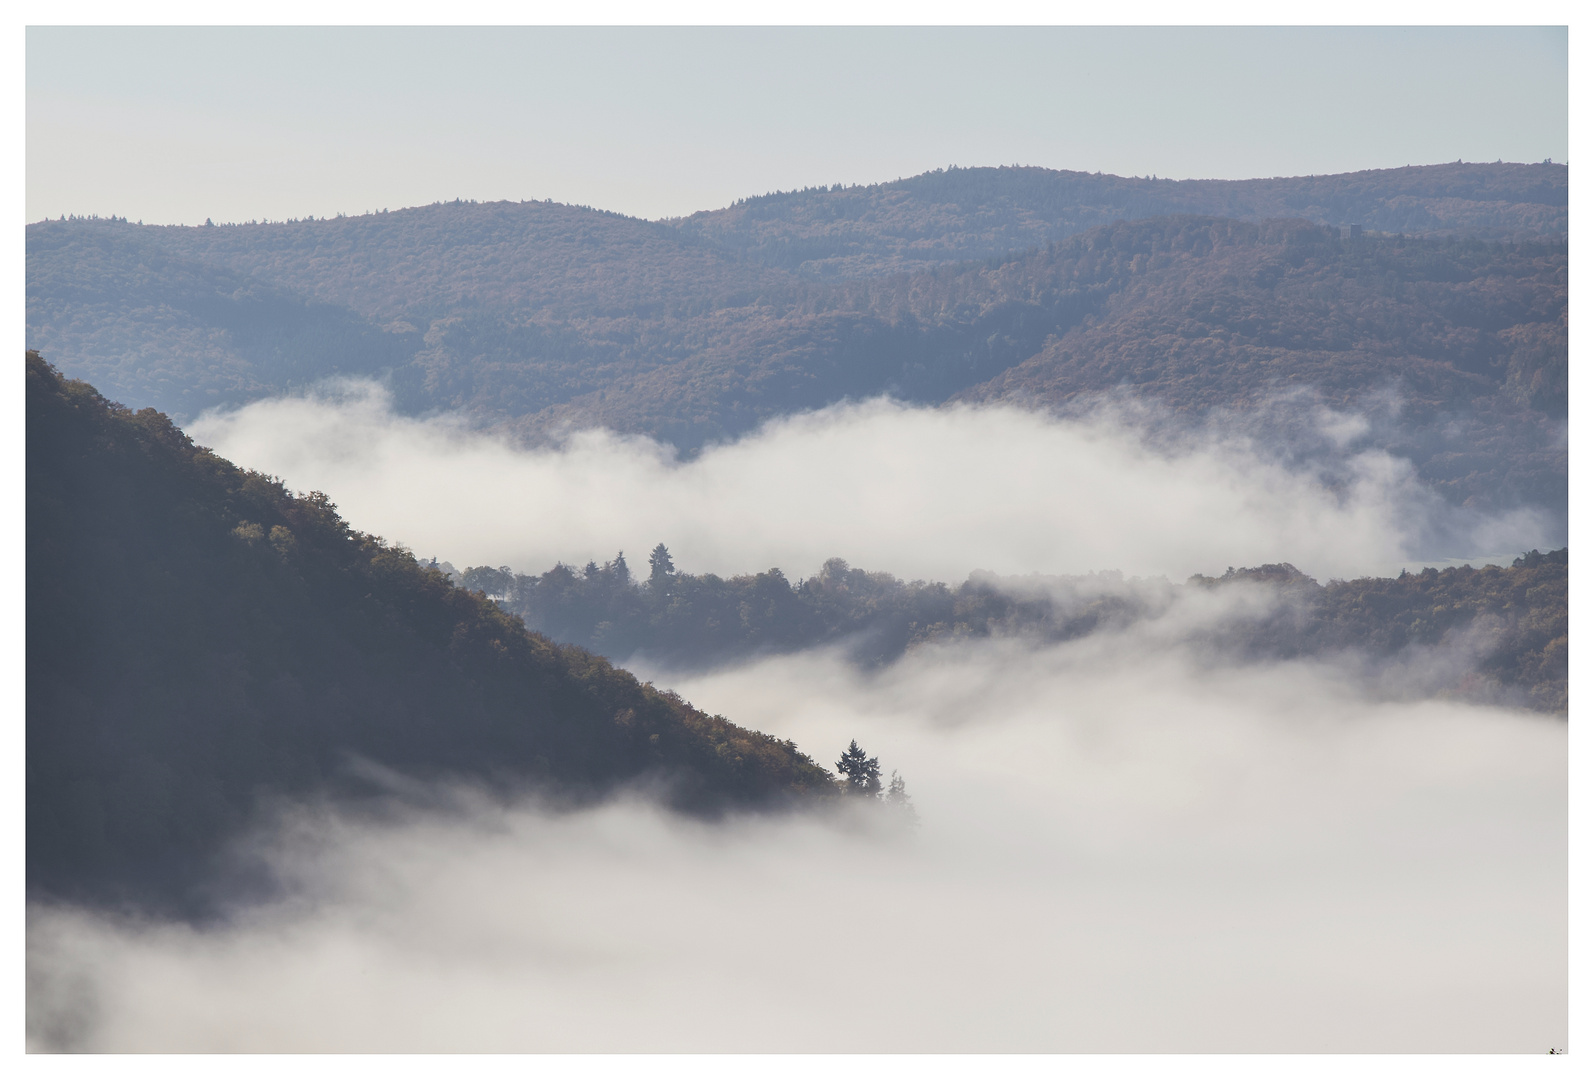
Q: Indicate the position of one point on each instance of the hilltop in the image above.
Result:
(956, 214)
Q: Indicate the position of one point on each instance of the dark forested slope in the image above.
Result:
(197, 637)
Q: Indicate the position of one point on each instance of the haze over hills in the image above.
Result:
(956, 214)
(1507, 625)
(538, 317)
(199, 640)
(430, 794)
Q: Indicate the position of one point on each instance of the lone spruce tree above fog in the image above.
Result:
(660, 567)
(860, 772)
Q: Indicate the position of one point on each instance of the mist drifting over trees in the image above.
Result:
(1137, 609)
(1444, 285)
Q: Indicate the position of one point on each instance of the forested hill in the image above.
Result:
(513, 308)
(1465, 342)
(183, 319)
(954, 214)
(198, 638)
(535, 317)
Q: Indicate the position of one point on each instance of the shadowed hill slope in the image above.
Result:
(198, 638)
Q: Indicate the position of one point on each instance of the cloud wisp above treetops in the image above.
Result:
(921, 492)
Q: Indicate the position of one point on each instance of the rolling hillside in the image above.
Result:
(957, 214)
(199, 640)
(1445, 318)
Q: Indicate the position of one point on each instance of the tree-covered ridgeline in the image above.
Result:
(1514, 618)
(954, 214)
(1441, 287)
(199, 638)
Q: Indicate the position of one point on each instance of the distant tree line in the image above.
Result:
(1517, 614)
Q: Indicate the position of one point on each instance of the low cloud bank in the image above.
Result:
(1124, 847)
(1130, 841)
(919, 492)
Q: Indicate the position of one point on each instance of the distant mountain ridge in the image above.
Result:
(958, 214)
(967, 284)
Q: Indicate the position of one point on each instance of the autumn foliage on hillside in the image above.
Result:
(1444, 319)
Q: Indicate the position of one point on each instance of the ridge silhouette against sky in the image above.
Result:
(174, 125)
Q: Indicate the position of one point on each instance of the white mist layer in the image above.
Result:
(1121, 850)
(919, 492)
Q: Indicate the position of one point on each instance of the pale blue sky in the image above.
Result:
(176, 125)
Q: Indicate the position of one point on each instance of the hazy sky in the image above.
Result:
(176, 125)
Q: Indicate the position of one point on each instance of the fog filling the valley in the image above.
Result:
(1128, 842)
(1123, 847)
(919, 492)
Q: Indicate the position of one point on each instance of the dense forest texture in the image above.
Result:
(197, 638)
(1455, 350)
(1507, 625)
(1464, 341)
(1446, 313)
(956, 214)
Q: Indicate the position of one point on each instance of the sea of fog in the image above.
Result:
(920, 492)
(1120, 848)
(1126, 842)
